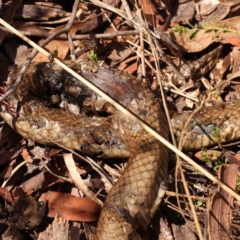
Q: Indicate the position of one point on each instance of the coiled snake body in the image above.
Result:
(133, 200)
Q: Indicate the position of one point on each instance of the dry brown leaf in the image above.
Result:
(130, 69)
(229, 24)
(185, 11)
(151, 14)
(71, 208)
(29, 27)
(219, 13)
(201, 41)
(232, 25)
(26, 156)
(234, 41)
(207, 7)
(6, 195)
(8, 156)
(38, 13)
(118, 26)
(34, 183)
(62, 45)
(233, 159)
(6, 173)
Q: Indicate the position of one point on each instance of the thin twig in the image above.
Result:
(76, 37)
(181, 93)
(71, 46)
(127, 9)
(93, 164)
(141, 49)
(173, 194)
(78, 181)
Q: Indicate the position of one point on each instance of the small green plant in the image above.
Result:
(199, 203)
(206, 157)
(53, 54)
(92, 56)
(194, 29)
(213, 157)
(55, 51)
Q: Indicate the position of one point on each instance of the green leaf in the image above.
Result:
(216, 134)
(92, 56)
(193, 34)
(199, 203)
(55, 51)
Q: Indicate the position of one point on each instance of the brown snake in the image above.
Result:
(135, 197)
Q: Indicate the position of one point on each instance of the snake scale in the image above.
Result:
(133, 200)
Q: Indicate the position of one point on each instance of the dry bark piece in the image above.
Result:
(165, 230)
(183, 232)
(58, 230)
(221, 204)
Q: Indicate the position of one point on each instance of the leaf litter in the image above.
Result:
(25, 178)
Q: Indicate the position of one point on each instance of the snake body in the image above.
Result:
(133, 200)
